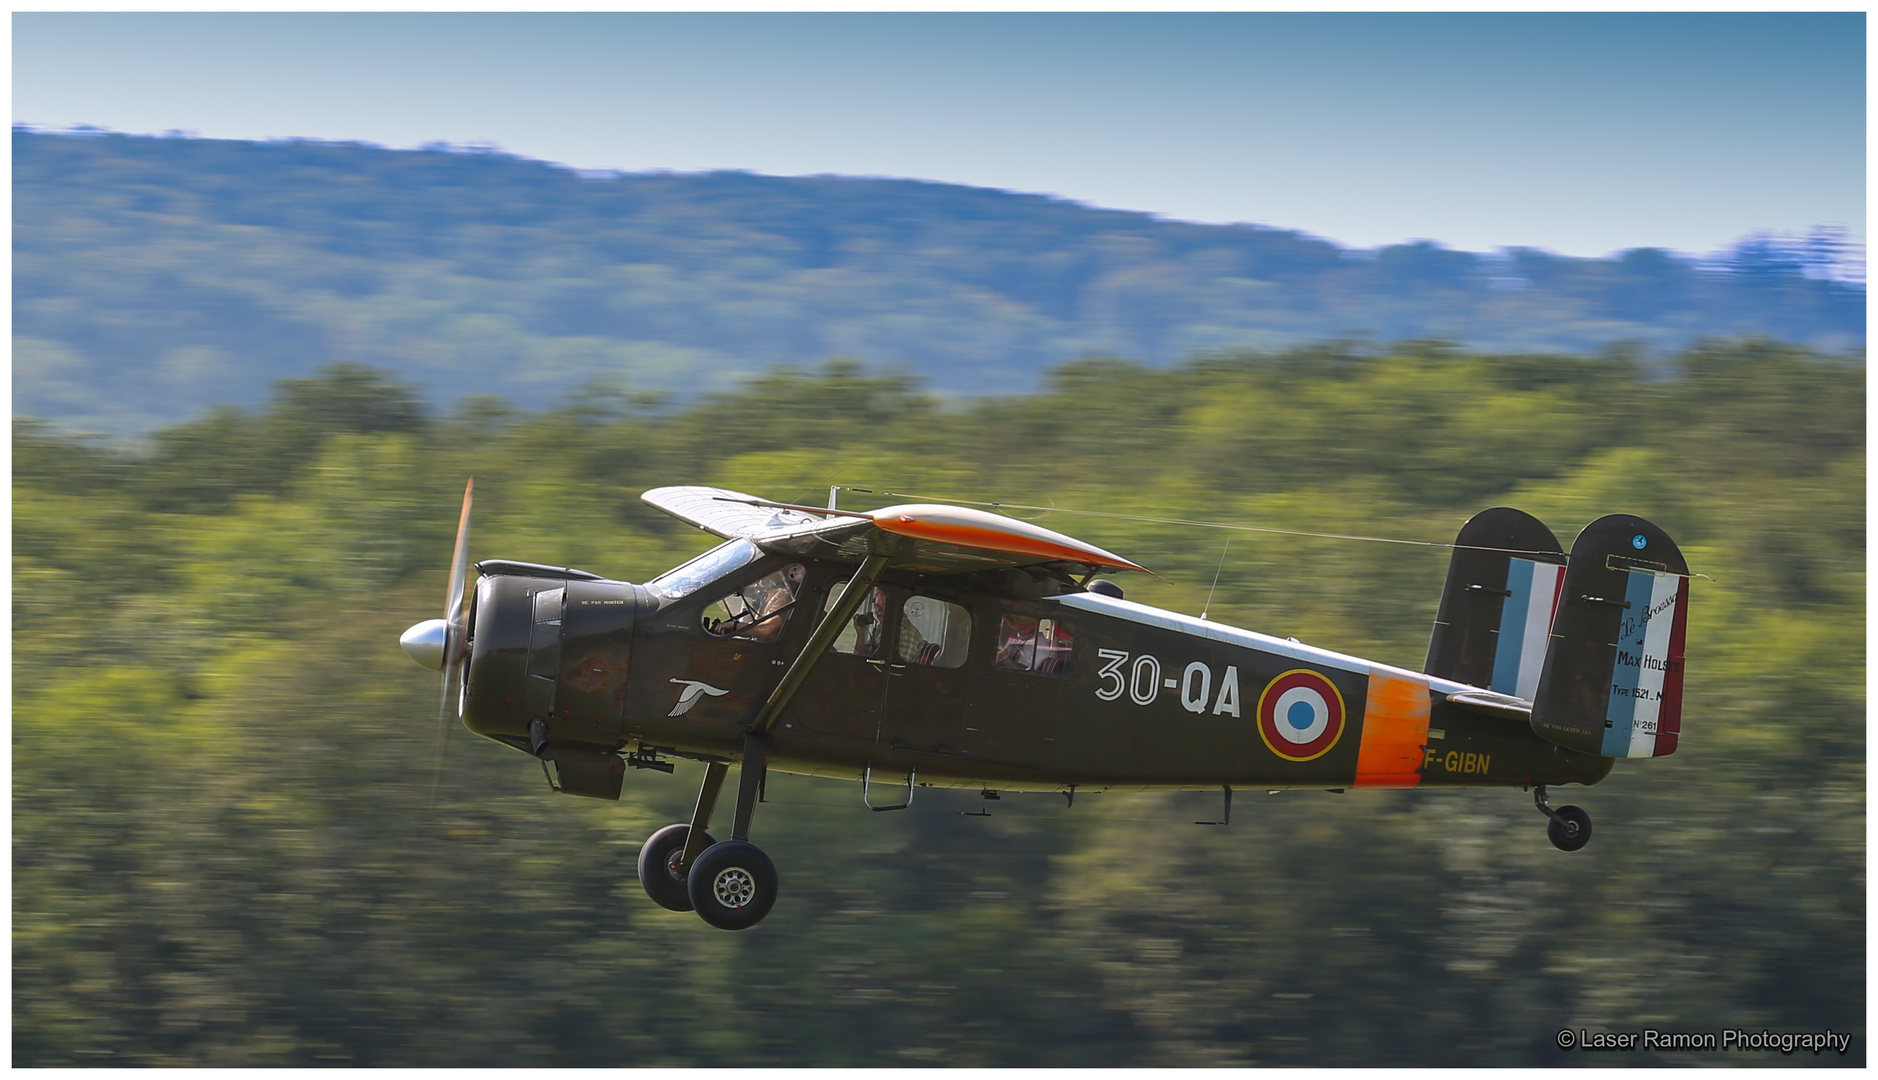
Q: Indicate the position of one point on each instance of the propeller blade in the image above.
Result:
(455, 635)
(452, 606)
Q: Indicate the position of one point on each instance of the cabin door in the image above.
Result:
(927, 701)
(893, 681)
(842, 700)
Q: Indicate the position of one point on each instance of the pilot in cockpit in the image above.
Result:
(756, 607)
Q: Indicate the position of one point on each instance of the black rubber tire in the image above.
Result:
(658, 867)
(1569, 828)
(733, 885)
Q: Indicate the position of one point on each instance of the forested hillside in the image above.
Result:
(177, 273)
(222, 760)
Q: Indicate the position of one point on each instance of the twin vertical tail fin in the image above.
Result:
(1612, 683)
(1496, 610)
(1595, 642)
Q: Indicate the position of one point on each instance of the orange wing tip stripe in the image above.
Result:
(970, 528)
(1395, 732)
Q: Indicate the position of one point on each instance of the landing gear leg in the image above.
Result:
(732, 885)
(750, 783)
(1568, 827)
(714, 774)
(666, 858)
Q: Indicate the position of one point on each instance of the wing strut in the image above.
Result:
(756, 739)
(819, 642)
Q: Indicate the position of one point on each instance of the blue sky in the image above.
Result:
(1578, 133)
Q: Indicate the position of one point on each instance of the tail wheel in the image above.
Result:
(732, 885)
(1569, 828)
(661, 872)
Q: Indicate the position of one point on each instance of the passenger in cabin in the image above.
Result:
(862, 635)
(1031, 644)
(1054, 642)
(1017, 643)
(866, 638)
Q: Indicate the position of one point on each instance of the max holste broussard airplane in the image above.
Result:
(929, 645)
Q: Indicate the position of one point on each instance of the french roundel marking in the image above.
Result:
(1300, 715)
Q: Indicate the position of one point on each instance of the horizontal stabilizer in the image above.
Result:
(1486, 701)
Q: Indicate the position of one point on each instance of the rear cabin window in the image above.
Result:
(1039, 646)
(933, 633)
(759, 610)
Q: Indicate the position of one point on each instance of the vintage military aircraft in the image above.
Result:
(931, 645)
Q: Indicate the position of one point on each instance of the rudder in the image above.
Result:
(1612, 682)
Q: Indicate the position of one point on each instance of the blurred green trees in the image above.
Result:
(222, 854)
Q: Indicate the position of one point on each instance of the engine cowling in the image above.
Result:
(550, 652)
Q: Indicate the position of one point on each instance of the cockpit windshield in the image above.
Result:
(723, 559)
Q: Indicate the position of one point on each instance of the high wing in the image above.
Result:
(730, 514)
(925, 538)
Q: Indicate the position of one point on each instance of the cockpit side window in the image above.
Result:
(725, 558)
(759, 610)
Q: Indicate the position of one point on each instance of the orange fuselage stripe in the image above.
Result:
(978, 536)
(1395, 731)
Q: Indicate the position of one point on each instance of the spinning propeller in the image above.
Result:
(438, 643)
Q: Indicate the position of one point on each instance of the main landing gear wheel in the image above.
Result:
(1569, 829)
(659, 869)
(732, 885)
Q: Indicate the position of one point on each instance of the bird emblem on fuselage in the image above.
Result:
(693, 691)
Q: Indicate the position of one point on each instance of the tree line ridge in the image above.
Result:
(183, 272)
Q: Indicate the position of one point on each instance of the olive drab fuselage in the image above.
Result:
(1130, 697)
